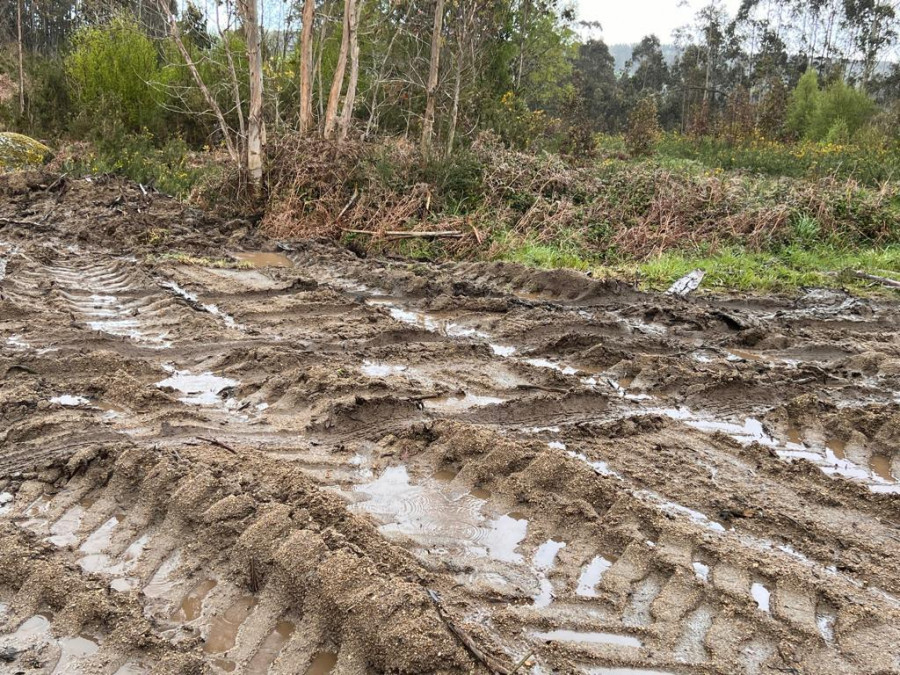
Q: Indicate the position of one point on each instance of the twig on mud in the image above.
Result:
(402, 234)
(884, 281)
(13, 221)
(218, 443)
(486, 660)
(522, 662)
(349, 204)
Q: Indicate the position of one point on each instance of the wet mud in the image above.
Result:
(310, 462)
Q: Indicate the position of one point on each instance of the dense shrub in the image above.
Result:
(114, 71)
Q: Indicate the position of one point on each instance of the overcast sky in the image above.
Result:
(629, 20)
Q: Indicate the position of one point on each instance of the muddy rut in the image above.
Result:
(304, 461)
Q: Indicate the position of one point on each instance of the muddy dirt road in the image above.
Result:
(310, 462)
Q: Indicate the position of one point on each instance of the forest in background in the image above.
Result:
(771, 134)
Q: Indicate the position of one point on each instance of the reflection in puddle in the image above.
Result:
(425, 321)
(69, 400)
(591, 575)
(701, 570)
(761, 595)
(202, 389)
(322, 664)
(161, 585)
(263, 259)
(63, 531)
(72, 649)
(455, 402)
(101, 538)
(543, 561)
(192, 604)
(268, 651)
(587, 637)
(373, 369)
(224, 629)
(440, 514)
(34, 633)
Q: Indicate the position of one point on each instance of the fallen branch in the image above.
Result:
(452, 234)
(884, 281)
(488, 661)
(218, 443)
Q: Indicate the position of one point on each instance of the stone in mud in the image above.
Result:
(18, 151)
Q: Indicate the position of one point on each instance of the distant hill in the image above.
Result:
(622, 52)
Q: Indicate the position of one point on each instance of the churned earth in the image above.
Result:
(219, 459)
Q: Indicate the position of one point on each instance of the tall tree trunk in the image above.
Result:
(523, 31)
(454, 110)
(433, 69)
(256, 129)
(337, 83)
(350, 96)
(21, 59)
(175, 33)
(306, 65)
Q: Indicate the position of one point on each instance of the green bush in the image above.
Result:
(113, 70)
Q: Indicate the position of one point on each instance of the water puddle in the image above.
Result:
(16, 342)
(263, 259)
(34, 633)
(460, 402)
(270, 648)
(761, 595)
(701, 571)
(837, 447)
(63, 531)
(591, 574)
(101, 538)
(194, 300)
(543, 561)
(600, 467)
(191, 606)
(373, 369)
(223, 630)
(73, 649)
(825, 620)
(161, 584)
(426, 321)
(437, 513)
(552, 365)
(69, 400)
(322, 664)
(202, 389)
(881, 467)
(589, 637)
(502, 350)
(113, 318)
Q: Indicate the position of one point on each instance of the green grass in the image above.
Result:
(784, 271)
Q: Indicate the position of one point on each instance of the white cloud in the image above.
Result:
(627, 22)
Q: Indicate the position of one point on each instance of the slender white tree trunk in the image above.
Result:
(306, 65)
(337, 83)
(433, 70)
(350, 96)
(21, 59)
(256, 129)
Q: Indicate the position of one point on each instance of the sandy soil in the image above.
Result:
(310, 462)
